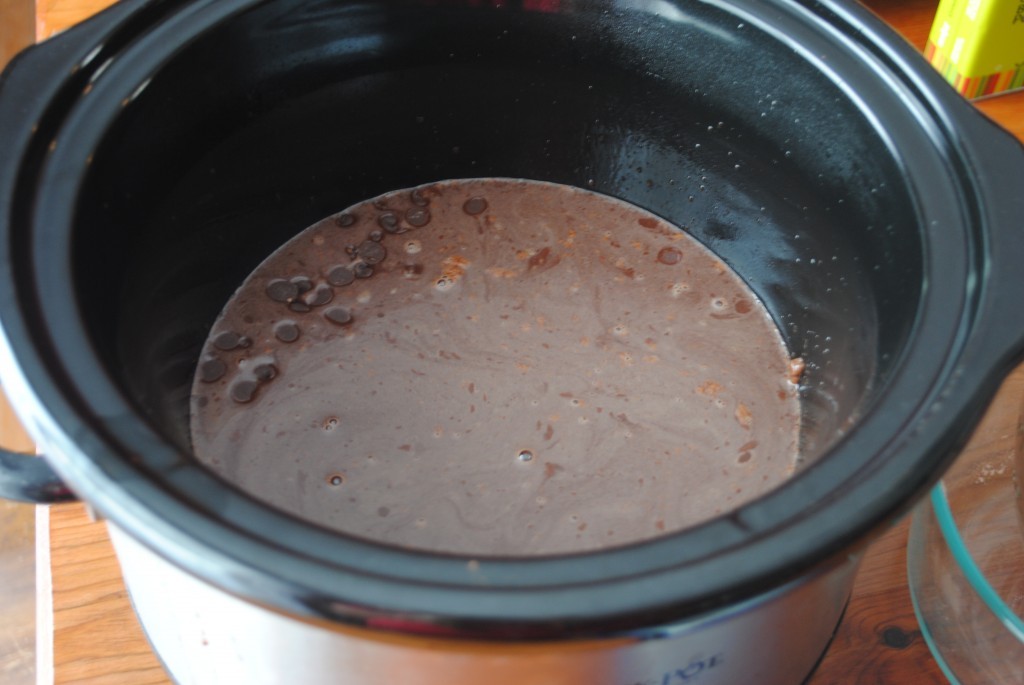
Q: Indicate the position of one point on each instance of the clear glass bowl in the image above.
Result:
(965, 562)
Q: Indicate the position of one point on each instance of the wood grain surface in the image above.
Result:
(17, 569)
(97, 640)
(17, 521)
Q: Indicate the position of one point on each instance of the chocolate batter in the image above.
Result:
(496, 367)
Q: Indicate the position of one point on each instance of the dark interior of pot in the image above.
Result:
(295, 110)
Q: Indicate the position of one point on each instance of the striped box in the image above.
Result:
(978, 45)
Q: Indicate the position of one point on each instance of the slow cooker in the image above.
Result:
(158, 152)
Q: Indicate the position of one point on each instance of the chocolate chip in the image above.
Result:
(303, 283)
(418, 217)
(212, 369)
(389, 222)
(474, 206)
(228, 340)
(264, 371)
(281, 290)
(418, 198)
(243, 391)
(371, 252)
(319, 296)
(340, 275)
(286, 331)
(338, 315)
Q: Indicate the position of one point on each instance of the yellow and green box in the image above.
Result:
(978, 45)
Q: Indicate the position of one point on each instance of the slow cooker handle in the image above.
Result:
(25, 478)
(996, 341)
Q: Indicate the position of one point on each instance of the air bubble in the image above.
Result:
(336, 479)
(330, 423)
(670, 256)
(525, 455)
(346, 220)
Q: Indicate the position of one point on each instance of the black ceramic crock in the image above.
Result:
(156, 154)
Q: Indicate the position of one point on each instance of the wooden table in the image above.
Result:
(97, 640)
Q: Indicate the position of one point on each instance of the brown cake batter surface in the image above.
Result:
(496, 367)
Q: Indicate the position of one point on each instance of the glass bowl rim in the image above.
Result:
(963, 558)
